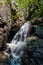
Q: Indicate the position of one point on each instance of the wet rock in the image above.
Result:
(7, 49)
(4, 59)
(32, 38)
(38, 31)
(37, 21)
(4, 32)
(33, 54)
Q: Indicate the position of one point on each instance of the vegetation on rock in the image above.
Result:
(13, 14)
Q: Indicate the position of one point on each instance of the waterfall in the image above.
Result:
(18, 43)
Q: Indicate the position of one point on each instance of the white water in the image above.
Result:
(18, 43)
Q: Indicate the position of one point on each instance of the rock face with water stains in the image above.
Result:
(6, 11)
(5, 18)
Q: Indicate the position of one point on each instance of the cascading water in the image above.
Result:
(18, 44)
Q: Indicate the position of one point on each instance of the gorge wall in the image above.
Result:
(10, 23)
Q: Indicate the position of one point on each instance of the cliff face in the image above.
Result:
(7, 22)
(8, 26)
(11, 19)
(5, 18)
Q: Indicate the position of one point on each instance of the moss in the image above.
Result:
(15, 17)
(1, 3)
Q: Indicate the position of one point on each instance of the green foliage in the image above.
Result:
(35, 7)
(22, 3)
(15, 17)
(25, 3)
(0, 2)
(32, 9)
